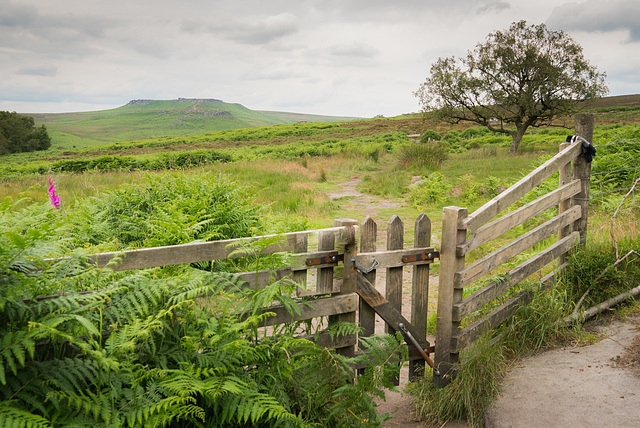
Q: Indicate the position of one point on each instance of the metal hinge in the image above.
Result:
(427, 255)
(315, 261)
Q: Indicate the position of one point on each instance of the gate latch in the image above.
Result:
(363, 270)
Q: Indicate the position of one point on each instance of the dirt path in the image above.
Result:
(397, 404)
(591, 386)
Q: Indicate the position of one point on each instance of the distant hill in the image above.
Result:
(141, 119)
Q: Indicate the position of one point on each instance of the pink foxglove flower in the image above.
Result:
(55, 199)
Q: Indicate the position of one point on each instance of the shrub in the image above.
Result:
(169, 209)
(429, 135)
(431, 190)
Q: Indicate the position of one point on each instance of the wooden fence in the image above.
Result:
(351, 298)
(463, 233)
(353, 295)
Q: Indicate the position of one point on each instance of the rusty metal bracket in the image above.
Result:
(427, 255)
(315, 261)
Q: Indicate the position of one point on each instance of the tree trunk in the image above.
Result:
(517, 137)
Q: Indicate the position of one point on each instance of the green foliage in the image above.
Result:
(19, 134)
(615, 166)
(431, 190)
(169, 209)
(152, 351)
(168, 160)
(429, 135)
(423, 155)
(591, 271)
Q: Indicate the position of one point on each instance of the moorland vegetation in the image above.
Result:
(146, 351)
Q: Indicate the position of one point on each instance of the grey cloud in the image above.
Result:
(43, 70)
(598, 15)
(493, 7)
(16, 15)
(356, 49)
(250, 32)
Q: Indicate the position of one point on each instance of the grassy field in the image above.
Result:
(154, 119)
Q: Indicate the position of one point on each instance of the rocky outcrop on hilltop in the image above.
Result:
(144, 102)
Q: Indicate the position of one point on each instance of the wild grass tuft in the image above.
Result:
(423, 156)
(469, 394)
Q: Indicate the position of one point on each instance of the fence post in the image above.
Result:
(582, 171)
(349, 278)
(420, 290)
(450, 263)
(565, 177)
(393, 289)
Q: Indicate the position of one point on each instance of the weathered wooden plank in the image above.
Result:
(478, 299)
(189, 253)
(501, 202)
(420, 290)
(300, 276)
(502, 225)
(491, 261)
(385, 309)
(258, 280)
(497, 316)
(564, 177)
(368, 238)
(335, 305)
(393, 258)
(448, 295)
(326, 241)
(349, 276)
(393, 290)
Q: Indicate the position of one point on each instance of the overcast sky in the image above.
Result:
(334, 57)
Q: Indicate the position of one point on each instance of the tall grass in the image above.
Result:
(423, 156)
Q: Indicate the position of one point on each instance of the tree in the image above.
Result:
(18, 133)
(518, 78)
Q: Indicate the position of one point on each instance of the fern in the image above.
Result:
(14, 348)
(11, 417)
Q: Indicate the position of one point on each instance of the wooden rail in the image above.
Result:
(321, 296)
(463, 234)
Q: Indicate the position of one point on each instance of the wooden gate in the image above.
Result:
(314, 257)
(463, 233)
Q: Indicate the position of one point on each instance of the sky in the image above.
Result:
(358, 58)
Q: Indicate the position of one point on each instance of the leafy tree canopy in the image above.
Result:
(521, 77)
(18, 134)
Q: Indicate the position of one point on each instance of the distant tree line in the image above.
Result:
(18, 134)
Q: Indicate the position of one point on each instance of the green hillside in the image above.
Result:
(141, 119)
